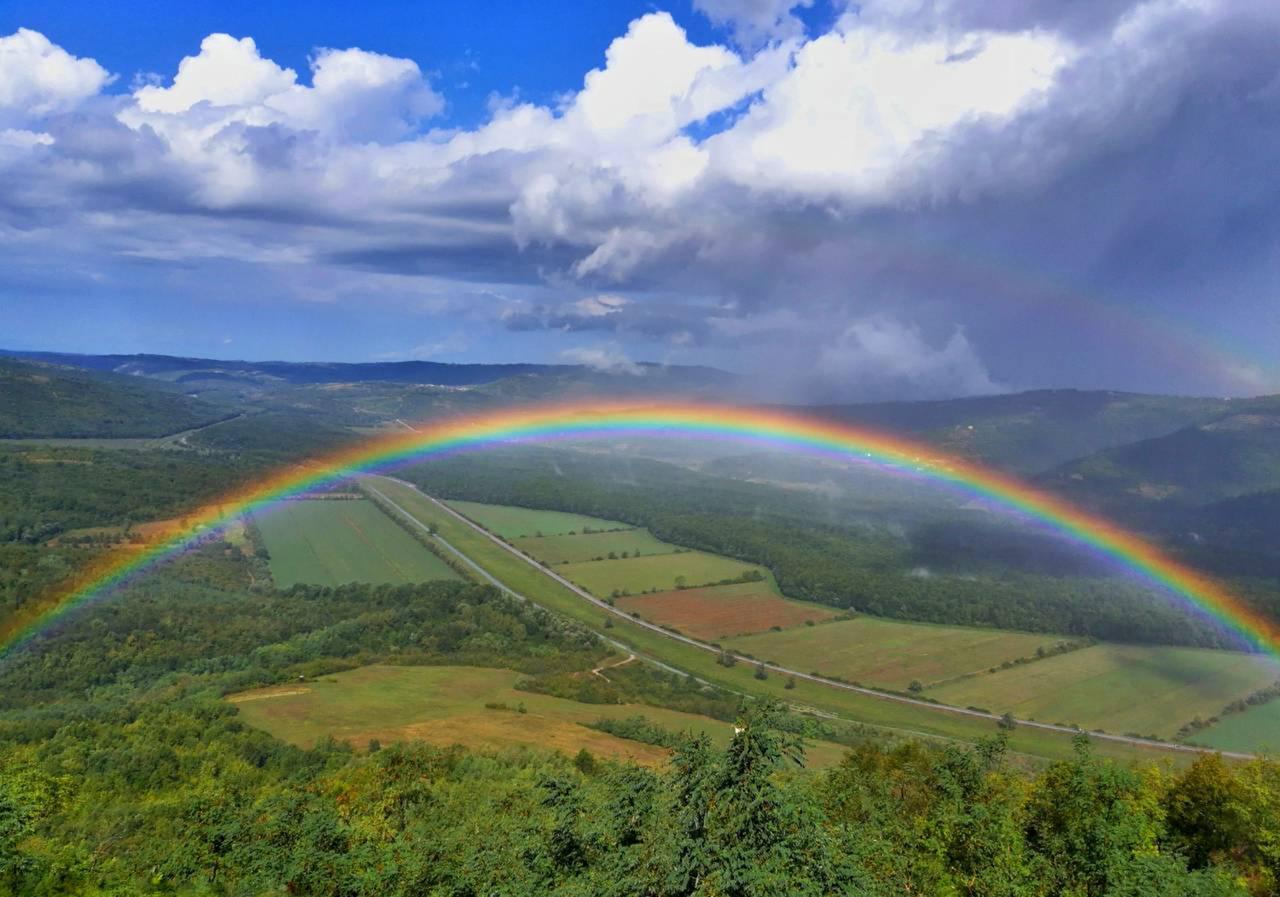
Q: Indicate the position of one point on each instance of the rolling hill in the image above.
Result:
(46, 400)
(1031, 432)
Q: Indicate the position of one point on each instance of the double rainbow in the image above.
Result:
(794, 432)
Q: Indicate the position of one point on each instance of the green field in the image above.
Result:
(329, 542)
(654, 571)
(517, 523)
(889, 653)
(589, 546)
(886, 716)
(1143, 689)
(446, 705)
(1256, 730)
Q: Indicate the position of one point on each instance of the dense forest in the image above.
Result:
(40, 400)
(124, 772)
(940, 566)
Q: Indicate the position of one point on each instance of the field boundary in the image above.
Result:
(784, 671)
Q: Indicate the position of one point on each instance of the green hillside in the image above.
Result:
(1029, 432)
(44, 400)
(1234, 455)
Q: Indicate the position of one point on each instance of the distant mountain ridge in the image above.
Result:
(180, 369)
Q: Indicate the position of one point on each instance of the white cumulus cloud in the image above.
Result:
(39, 78)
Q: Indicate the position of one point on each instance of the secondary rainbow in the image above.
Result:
(542, 423)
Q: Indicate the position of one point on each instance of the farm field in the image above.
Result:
(890, 653)
(887, 716)
(445, 705)
(720, 612)
(332, 542)
(657, 571)
(1144, 689)
(1256, 730)
(518, 523)
(589, 546)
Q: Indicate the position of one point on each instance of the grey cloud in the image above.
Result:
(1141, 184)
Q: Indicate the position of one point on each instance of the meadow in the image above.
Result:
(446, 705)
(565, 549)
(333, 542)
(889, 653)
(720, 612)
(888, 717)
(518, 523)
(1256, 730)
(660, 572)
(1142, 689)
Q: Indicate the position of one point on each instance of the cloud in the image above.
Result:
(937, 191)
(609, 358)
(755, 22)
(39, 79)
(881, 357)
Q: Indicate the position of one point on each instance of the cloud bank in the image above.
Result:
(927, 198)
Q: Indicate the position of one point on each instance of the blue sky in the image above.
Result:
(891, 199)
(476, 49)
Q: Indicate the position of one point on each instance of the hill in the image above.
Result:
(1032, 432)
(208, 370)
(1231, 456)
(46, 400)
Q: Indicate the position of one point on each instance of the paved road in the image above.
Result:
(781, 670)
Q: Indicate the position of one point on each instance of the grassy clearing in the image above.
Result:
(590, 546)
(889, 653)
(1256, 730)
(888, 716)
(1145, 689)
(446, 705)
(333, 542)
(658, 571)
(519, 523)
(720, 612)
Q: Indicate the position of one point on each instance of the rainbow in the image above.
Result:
(791, 431)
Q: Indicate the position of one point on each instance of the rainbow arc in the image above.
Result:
(1197, 593)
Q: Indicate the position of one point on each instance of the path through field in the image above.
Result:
(784, 671)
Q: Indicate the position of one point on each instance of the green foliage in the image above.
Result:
(45, 400)
(124, 771)
(985, 575)
(45, 491)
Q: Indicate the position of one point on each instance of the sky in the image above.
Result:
(892, 199)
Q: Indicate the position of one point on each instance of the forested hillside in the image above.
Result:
(1229, 457)
(125, 772)
(929, 565)
(49, 400)
(1029, 432)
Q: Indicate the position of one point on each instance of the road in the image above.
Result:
(781, 670)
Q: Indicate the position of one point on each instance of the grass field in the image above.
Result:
(720, 612)
(1118, 688)
(886, 716)
(519, 523)
(1256, 730)
(589, 546)
(890, 653)
(656, 571)
(332, 542)
(446, 705)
